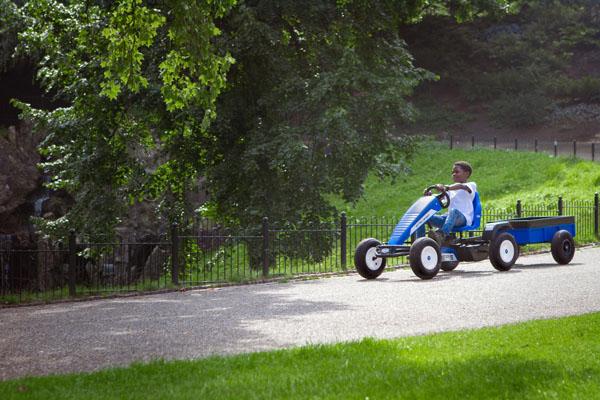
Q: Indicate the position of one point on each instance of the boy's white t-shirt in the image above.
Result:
(462, 200)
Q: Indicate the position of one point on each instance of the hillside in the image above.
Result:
(531, 74)
(503, 177)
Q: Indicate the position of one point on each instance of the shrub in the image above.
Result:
(586, 89)
(520, 110)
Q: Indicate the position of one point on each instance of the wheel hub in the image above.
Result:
(373, 262)
(507, 251)
(429, 258)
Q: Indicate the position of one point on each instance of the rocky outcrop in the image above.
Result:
(19, 178)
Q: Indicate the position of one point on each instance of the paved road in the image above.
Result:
(93, 335)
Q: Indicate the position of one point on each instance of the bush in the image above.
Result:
(584, 90)
(520, 110)
(489, 86)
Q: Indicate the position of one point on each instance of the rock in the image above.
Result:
(155, 264)
(19, 176)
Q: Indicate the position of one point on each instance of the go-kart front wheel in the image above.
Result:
(368, 265)
(425, 258)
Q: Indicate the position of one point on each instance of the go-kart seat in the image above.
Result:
(476, 216)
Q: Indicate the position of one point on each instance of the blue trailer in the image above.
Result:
(499, 241)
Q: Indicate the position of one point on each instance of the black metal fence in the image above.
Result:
(565, 148)
(209, 253)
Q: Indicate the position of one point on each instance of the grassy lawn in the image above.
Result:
(502, 177)
(534, 360)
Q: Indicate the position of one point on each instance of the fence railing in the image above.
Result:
(210, 253)
(566, 148)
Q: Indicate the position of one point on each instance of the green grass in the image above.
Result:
(85, 291)
(535, 360)
(502, 177)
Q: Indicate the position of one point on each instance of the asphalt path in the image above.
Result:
(87, 336)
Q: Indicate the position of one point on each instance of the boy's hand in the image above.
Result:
(441, 188)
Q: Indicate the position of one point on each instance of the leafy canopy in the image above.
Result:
(276, 103)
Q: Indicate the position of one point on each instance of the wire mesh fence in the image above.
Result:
(208, 253)
(557, 148)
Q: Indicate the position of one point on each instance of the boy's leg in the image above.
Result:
(436, 221)
(455, 220)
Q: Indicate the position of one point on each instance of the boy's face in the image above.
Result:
(459, 175)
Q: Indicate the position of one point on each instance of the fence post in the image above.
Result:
(72, 262)
(472, 141)
(451, 142)
(495, 142)
(574, 148)
(596, 215)
(174, 254)
(519, 209)
(555, 149)
(593, 151)
(265, 235)
(516, 144)
(560, 205)
(343, 231)
(535, 146)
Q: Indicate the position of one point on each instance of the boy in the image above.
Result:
(460, 211)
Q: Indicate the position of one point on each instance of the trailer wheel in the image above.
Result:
(425, 258)
(449, 265)
(503, 251)
(368, 265)
(563, 247)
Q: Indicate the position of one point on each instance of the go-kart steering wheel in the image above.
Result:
(443, 197)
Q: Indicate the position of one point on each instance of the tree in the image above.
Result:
(140, 81)
(316, 94)
(312, 104)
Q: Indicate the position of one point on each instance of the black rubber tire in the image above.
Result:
(503, 243)
(368, 269)
(449, 265)
(420, 251)
(563, 247)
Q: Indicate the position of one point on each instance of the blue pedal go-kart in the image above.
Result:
(499, 241)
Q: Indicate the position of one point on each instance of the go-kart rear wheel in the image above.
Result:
(368, 265)
(449, 265)
(563, 247)
(504, 251)
(425, 258)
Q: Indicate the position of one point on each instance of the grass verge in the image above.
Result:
(502, 177)
(534, 360)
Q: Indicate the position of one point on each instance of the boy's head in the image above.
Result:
(461, 171)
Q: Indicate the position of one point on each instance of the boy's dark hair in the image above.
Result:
(465, 166)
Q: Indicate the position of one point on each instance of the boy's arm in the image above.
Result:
(454, 186)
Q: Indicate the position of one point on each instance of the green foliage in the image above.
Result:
(523, 56)
(586, 89)
(520, 110)
(130, 130)
(310, 111)
(312, 100)
(10, 24)
(131, 27)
